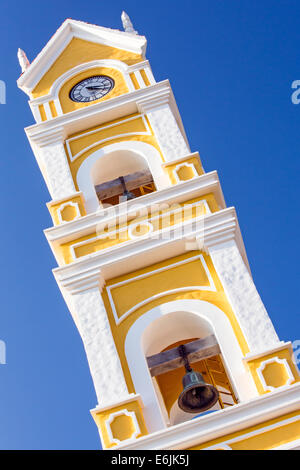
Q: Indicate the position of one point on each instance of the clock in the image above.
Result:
(91, 88)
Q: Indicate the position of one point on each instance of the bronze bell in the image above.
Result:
(197, 395)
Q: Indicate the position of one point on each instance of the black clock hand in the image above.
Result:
(93, 88)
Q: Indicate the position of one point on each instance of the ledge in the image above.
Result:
(220, 423)
(63, 126)
(277, 347)
(132, 397)
(123, 212)
(217, 228)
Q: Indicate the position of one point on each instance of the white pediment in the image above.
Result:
(77, 29)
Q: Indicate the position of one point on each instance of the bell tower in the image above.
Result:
(151, 261)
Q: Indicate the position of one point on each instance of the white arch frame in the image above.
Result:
(241, 379)
(66, 204)
(53, 95)
(147, 151)
(109, 63)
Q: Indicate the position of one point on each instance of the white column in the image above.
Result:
(91, 320)
(165, 127)
(243, 296)
(51, 156)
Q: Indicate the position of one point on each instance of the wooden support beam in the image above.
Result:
(171, 359)
(132, 181)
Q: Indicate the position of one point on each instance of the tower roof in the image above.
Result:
(77, 29)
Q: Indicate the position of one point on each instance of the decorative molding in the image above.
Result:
(104, 111)
(125, 69)
(47, 110)
(142, 223)
(183, 159)
(292, 445)
(129, 399)
(220, 423)
(87, 280)
(151, 102)
(226, 443)
(67, 31)
(112, 417)
(130, 227)
(144, 251)
(266, 352)
(262, 366)
(182, 165)
(210, 287)
(108, 63)
(64, 199)
(149, 75)
(66, 204)
(95, 131)
(174, 194)
(139, 79)
(45, 137)
(147, 152)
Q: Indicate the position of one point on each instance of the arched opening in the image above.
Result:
(174, 321)
(119, 173)
(167, 375)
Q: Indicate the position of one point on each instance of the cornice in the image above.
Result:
(217, 228)
(131, 397)
(86, 280)
(279, 347)
(196, 187)
(45, 138)
(220, 423)
(99, 113)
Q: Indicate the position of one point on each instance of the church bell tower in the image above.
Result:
(151, 261)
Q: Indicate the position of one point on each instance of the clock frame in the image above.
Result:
(91, 88)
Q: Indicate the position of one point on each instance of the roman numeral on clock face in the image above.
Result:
(91, 88)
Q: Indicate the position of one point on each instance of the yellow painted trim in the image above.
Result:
(218, 298)
(145, 78)
(54, 206)
(110, 238)
(194, 159)
(120, 128)
(53, 109)
(134, 81)
(277, 377)
(123, 430)
(263, 441)
(42, 112)
(120, 88)
(78, 52)
(134, 124)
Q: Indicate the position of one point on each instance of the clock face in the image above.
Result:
(92, 88)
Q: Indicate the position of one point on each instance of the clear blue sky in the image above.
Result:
(231, 64)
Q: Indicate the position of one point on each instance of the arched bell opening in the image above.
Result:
(167, 369)
(121, 175)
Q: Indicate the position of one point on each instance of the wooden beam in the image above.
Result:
(171, 359)
(132, 181)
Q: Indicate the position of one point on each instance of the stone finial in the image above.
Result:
(23, 61)
(127, 25)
